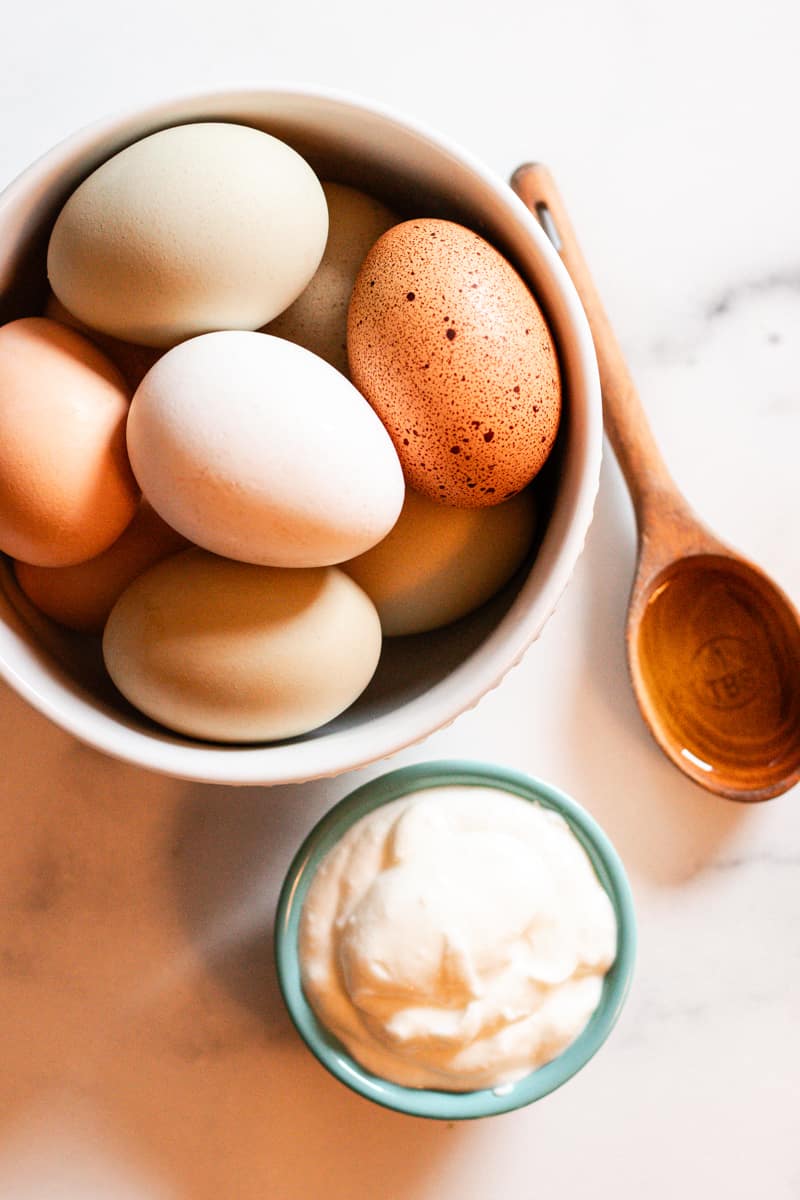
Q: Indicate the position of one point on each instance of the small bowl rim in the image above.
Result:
(427, 1102)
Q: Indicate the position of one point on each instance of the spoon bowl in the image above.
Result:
(712, 651)
(713, 643)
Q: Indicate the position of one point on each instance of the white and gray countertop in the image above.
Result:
(144, 1051)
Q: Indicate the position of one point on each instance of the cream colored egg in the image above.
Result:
(238, 653)
(439, 563)
(318, 317)
(256, 449)
(199, 227)
(66, 488)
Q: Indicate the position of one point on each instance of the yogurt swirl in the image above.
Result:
(456, 939)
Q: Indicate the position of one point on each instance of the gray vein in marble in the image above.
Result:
(652, 1013)
(657, 1011)
(769, 858)
(683, 349)
(787, 279)
(649, 1014)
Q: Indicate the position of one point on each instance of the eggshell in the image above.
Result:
(240, 653)
(66, 488)
(449, 346)
(439, 563)
(258, 450)
(200, 227)
(81, 597)
(133, 361)
(318, 317)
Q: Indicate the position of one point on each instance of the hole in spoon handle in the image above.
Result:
(548, 225)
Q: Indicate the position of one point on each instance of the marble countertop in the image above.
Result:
(144, 1051)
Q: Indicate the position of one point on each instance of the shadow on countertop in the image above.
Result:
(231, 848)
(300, 1132)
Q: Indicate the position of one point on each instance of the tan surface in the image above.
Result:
(141, 1019)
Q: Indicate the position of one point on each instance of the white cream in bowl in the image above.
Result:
(456, 939)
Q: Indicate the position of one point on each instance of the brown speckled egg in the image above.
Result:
(452, 351)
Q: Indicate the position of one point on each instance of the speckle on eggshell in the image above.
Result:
(482, 395)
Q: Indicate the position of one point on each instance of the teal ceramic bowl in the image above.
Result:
(422, 1102)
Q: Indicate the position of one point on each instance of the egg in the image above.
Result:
(258, 450)
(450, 347)
(82, 596)
(133, 361)
(239, 653)
(199, 227)
(318, 317)
(66, 487)
(439, 563)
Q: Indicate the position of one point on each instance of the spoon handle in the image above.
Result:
(649, 482)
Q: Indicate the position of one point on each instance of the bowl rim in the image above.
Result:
(427, 1102)
(327, 754)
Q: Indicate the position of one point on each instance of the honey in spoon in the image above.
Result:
(718, 659)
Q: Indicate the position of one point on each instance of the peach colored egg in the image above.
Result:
(451, 349)
(133, 361)
(66, 487)
(82, 596)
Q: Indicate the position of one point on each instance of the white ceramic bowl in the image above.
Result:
(422, 682)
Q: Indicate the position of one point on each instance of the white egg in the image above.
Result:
(256, 449)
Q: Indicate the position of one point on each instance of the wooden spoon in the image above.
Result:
(713, 644)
